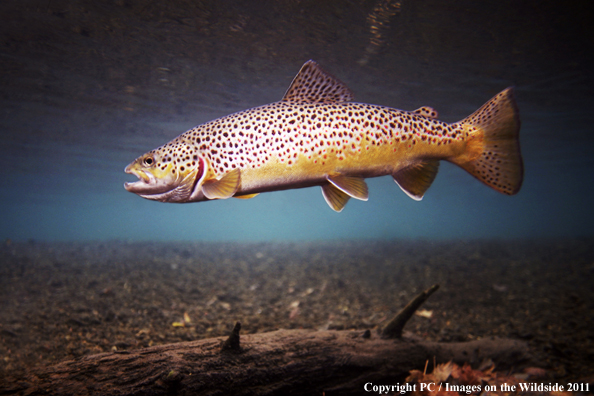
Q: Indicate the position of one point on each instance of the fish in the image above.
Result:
(316, 135)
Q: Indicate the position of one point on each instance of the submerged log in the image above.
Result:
(282, 362)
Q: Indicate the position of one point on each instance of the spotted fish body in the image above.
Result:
(316, 136)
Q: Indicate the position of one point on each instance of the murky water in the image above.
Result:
(89, 86)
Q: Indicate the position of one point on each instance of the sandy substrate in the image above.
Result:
(61, 301)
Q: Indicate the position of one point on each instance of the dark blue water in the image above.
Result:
(88, 87)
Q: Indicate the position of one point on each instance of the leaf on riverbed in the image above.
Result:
(424, 313)
(474, 381)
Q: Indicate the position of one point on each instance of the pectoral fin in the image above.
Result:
(416, 179)
(246, 196)
(352, 186)
(222, 188)
(334, 197)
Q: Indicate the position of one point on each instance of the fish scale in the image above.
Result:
(249, 139)
(316, 136)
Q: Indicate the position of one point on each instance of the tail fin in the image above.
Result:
(493, 147)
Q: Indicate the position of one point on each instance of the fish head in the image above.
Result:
(171, 173)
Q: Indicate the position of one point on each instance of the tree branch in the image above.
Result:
(287, 362)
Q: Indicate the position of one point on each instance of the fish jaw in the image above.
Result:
(162, 185)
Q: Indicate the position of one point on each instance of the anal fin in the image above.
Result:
(352, 186)
(416, 179)
(334, 197)
(222, 188)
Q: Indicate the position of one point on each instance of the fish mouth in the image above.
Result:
(147, 185)
(145, 179)
(164, 188)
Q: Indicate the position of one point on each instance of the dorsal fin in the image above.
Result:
(314, 85)
(426, 111)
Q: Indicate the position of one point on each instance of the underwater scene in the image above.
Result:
(461, 130)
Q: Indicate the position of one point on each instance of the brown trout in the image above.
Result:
(316, 136)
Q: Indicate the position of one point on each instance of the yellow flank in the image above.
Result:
(316, 136)
(370, 161)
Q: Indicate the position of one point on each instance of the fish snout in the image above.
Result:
(143, 177)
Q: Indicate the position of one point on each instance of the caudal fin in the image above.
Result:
(493, 147)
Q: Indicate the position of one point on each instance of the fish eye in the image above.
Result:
(148, 161)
